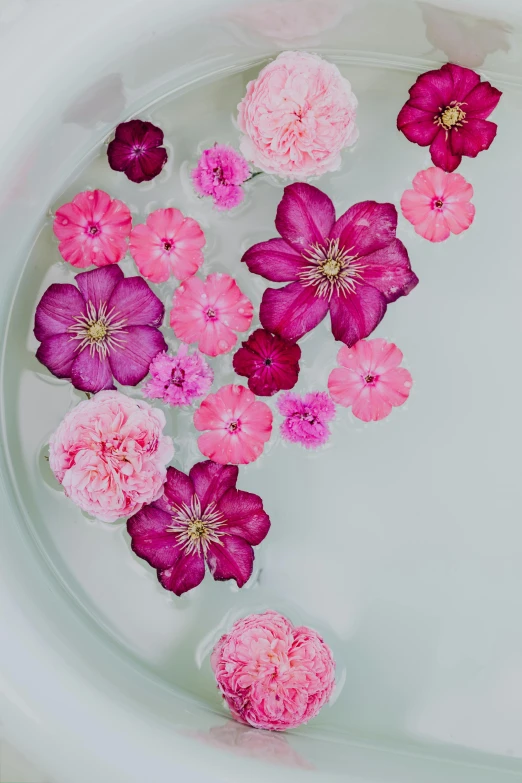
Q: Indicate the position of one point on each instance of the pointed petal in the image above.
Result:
(178, 489)
(292, 311)
(131, 356)
(135, 301)
(187, 573)
(245, 515)
(211, 481)
(97, 286)
(366, 227)
(304, 216)
(389, 271)
(441, 153)
(233, 559)
(151, 539)
(90, 373)
(58, 354)
(473, 138)
(57, 309)
(274, 260)
(356, 315)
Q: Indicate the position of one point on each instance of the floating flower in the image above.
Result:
(447, 110)
(238, 426)
(110, 455)
(439, 204)
(306, 418)
(353, 267)
(210, 312)
(269, 362)
(168, 243)
(106, 328)
(297, 116)
(370, 379)
(200, 519)
(273, 675)
(179, 379)
(136, 149)
(220, 173)
(93, 229)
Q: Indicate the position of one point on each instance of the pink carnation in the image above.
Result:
(272, 675)
(110, 455)
(179, 379)
(306, 418)
(220, 173)
(297, 116)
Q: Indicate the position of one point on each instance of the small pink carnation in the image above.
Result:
(439, 204)
(306, 418)
(179, 379)
(272, 675)
(110, 455)
(220, 173)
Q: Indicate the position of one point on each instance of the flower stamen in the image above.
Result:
(451, 117)
(331, 269)
(98, 329)
(195, 529)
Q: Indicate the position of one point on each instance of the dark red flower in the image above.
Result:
(136, 149)
(269, 362)
(447, 111)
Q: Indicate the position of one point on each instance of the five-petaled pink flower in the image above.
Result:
(269, 362)
(237, 426)
(93, 229)
(273, 675)
(210, 312)
(136, 149)
(168, 243)
(179, 379)
(353, 267)
(220, 173)
(306, 418)
(200, 519)
(447, 111)
(439, 204)
(370, 379)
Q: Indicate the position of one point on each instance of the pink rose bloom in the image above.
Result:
(370, 379)
(179, 379)
(110, 455)
(297, 116)
(272, 675)
(168, 243)
(93, 229)
(306, 418)
(210, 312)
(238, 426)
(220, 173)
(439, 204)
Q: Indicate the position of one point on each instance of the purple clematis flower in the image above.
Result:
(352, 267)
(105, 328)
(136, 149)
(447, 111)
(200, 519)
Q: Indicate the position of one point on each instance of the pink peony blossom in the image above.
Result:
(370, 379)
(93, 229)
(439, 204)
(297, 116)
(306, 418)
(136, 150)
(269, 362)
(110, 455)
(238, 426)
(168, 243)
(273, 675)
(220, 173)
(209, 312)
(180, 379)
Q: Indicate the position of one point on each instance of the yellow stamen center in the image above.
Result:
(97, 331)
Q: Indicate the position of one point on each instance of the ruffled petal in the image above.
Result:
(356, 315)
(57, 310)
(305, 216)
(232, 558)
(292, 311)
(366, 227)
(91, 373)
(274, 260)
(131, 356)
(187, 573)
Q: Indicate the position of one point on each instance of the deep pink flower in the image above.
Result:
(220, 173)
(179, 379)
(110, 455)
(136, 149)
(106, 327)
(269, 362)
(210, 312)
(370, 379)
(238, 426)
(273, 675)
(439, 204)
(447, 110)
(200, 519)
(306, 418)
(352, 267)
(93, 229)
(168, 243)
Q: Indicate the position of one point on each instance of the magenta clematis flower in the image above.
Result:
(136, 150)
(352, 267)
(447, 111)
(106, 328)
(269, 362)
(200, 519)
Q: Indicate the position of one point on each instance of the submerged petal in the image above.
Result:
(305, 216)
(292, 311)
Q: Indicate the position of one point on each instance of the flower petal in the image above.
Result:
(216, 338)
(97, 285)
(345, 385)
(356, 315)
(58, 353)
(441, 153)
(389, 271)
(292, 311)
(150, 162)
(464, 80)
(211, 481)
(178, 489)
(305, 216)
(395, 385)
(366, 227)
(119, 154)
(57, 310)
(417, 125)
(135, 301)
(434, 228)
(481, 101)
(274, 260)
(151, 539)
(370, 406)
(233, 559)
(459, 216)
(187, 573)
(473, 138)
(90, 373)
(432, 90)
(415, 207)
(245, 515)
(131, 356)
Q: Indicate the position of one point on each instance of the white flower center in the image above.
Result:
(331, 269)
(196, 529)
(98, 329)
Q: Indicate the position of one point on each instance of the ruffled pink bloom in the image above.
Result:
(93, 229)
(110, 455)
(297, 116)
(179, 379)
(220, 173)
(370, 379)
(306, 418)
(269, 362)
(273, 675)
(168, 243)
(352, 267)
(439, 204)
(201, 519)
(136, 149)
(238, 426)
(447, 111)
(210, 312)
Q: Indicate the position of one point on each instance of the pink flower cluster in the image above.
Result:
(306, 418)
(179, 379)
(219, 174)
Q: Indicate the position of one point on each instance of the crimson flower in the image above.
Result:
(136, 149)
(269, 362)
